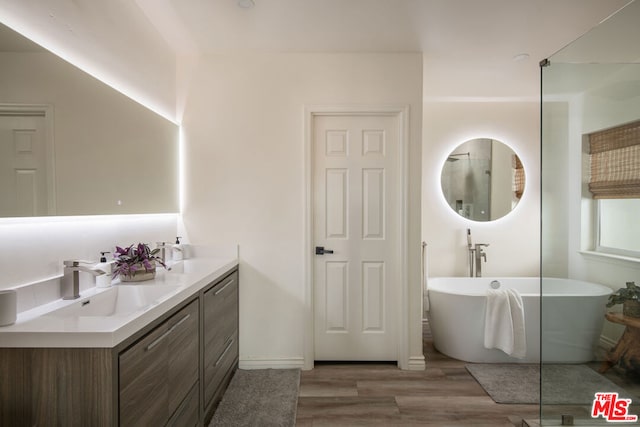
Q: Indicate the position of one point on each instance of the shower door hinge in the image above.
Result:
(545, 63)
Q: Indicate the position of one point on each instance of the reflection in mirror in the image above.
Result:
(71, 145)
(482, 179)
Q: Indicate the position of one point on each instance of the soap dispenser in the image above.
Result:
(178, 250)
(104, 280)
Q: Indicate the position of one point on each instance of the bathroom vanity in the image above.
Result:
(167, 362)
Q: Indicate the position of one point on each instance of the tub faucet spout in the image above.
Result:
(480, 255)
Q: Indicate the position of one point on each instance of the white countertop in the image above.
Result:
(37, 328)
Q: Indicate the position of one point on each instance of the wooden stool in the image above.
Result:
(626, 352)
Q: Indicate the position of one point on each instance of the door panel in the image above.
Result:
(373, 201)
(356, 215)
(337, 188)
(23, 166)
(337, 297)
(373, 291)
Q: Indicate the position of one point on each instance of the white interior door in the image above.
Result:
(23, 165)
(356, 215)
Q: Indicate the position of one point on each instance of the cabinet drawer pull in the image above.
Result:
(223, 353)
(163, 336)
(223, 288)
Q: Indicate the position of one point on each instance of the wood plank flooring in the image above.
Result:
(444, 395)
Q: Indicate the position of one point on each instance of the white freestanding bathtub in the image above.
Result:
(572, 316)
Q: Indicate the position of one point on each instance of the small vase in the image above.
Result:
(140, 274)
(631, 308)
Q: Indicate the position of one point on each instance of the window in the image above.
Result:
(619, 226)
(614, 156)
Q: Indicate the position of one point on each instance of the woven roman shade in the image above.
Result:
(518, 177)
(615, 162)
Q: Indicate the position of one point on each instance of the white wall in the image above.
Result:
(244, 176)
(514, 239)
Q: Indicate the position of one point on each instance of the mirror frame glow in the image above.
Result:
(482, 179)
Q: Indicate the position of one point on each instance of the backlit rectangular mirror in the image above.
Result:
(72, 145)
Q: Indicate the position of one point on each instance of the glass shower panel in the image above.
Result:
(591, 85)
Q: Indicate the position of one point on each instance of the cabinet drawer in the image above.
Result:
(220, 317)
(143, 391)
(184, 352)
(157, 372)
(220, 332)
(187, 414)
(217, 371)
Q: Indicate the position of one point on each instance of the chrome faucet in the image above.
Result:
(71, 278)
(163, 250)
(480, 255)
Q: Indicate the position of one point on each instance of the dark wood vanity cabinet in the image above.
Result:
(172, 372)
(157, 373)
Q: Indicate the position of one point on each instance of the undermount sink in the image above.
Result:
(119, 300)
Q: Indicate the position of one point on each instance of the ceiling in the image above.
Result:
(468, 46)
(465, 29)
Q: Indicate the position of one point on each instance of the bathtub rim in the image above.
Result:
(597, 289)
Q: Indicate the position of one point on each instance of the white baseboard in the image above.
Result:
(416, 363)
(278, 363)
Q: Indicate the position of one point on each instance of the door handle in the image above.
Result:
(320, 250)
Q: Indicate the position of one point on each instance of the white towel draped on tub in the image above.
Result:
(504, 322)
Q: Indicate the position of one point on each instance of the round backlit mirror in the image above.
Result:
(482, 179)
